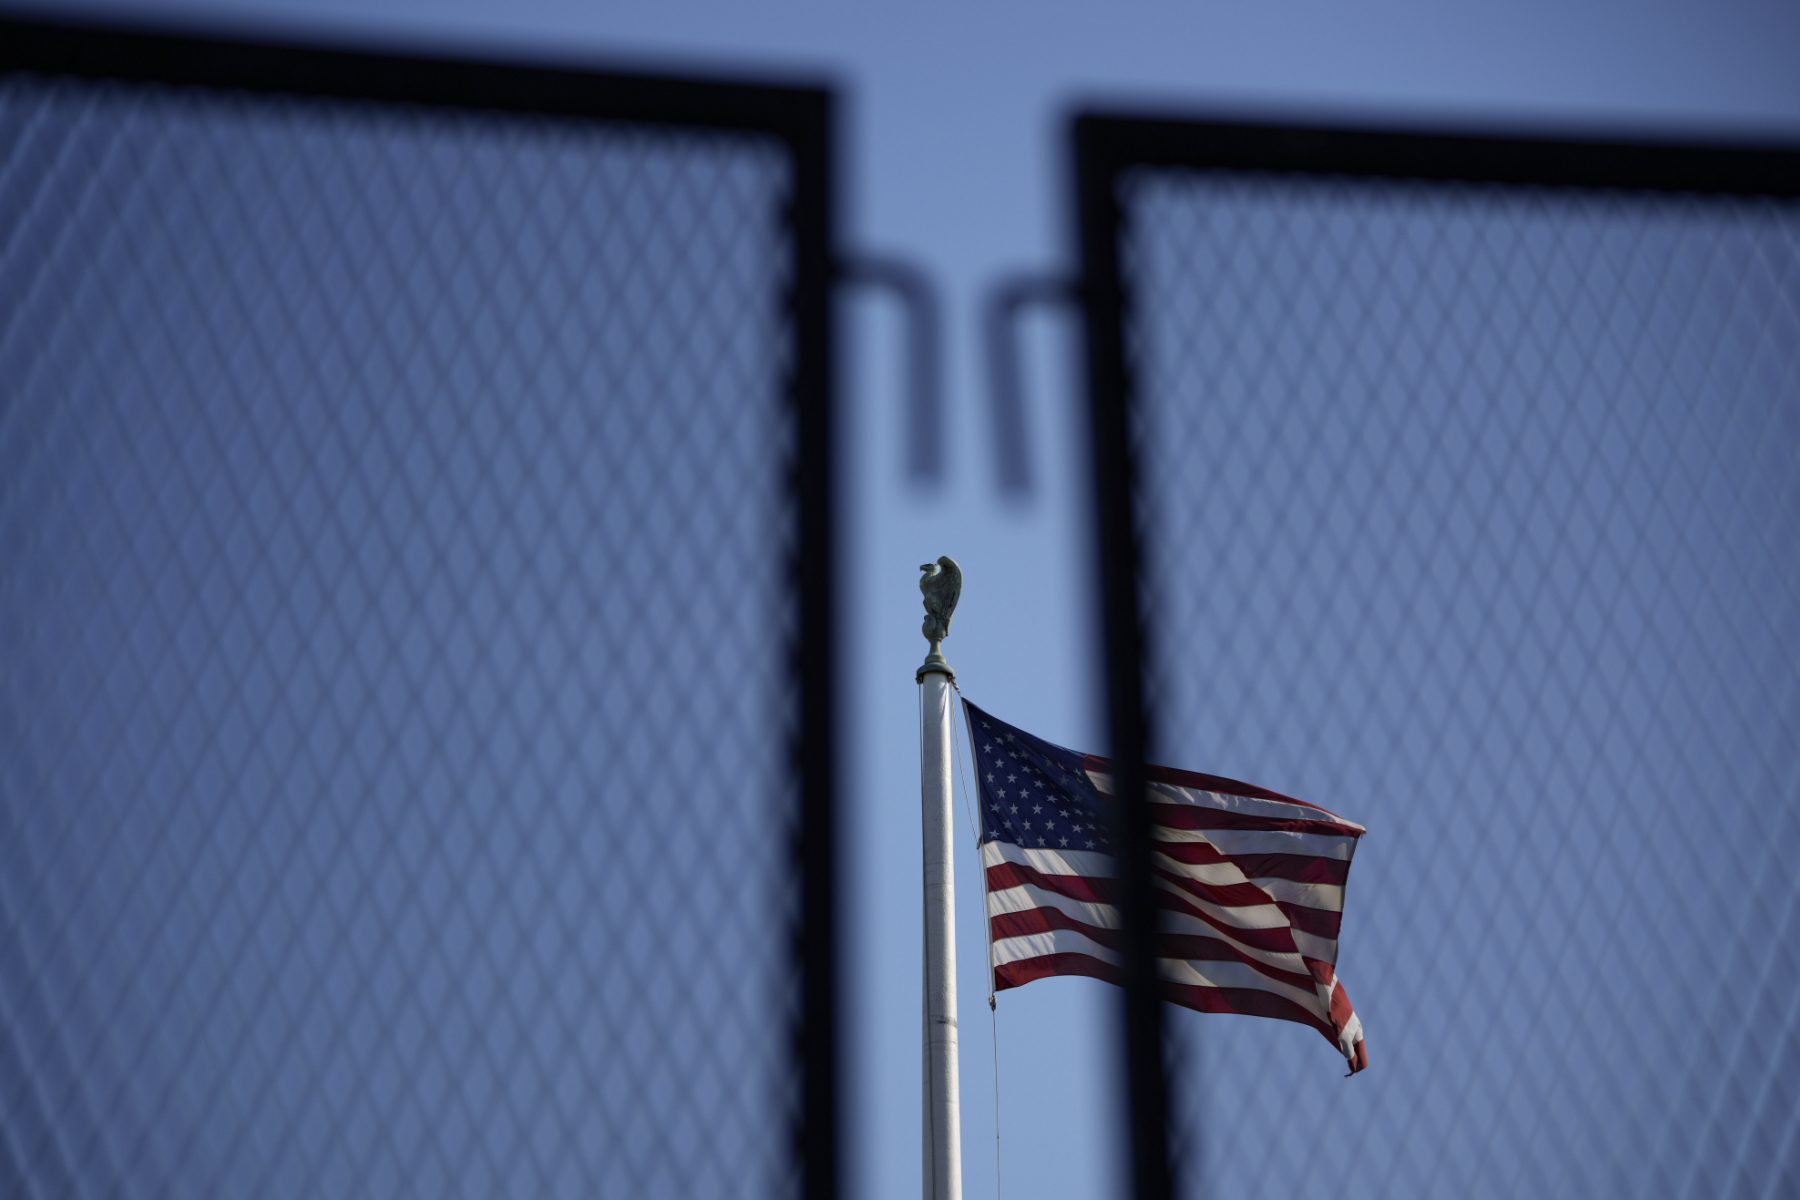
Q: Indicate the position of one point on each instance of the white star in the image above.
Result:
(1037, 808)
(1064, 841)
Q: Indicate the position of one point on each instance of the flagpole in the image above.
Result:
(941, 586)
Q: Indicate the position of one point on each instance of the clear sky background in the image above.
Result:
(952, 155)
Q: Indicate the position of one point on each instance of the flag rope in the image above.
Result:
(968, 789)
(987, 927)
(994, 1039)
(962, 768)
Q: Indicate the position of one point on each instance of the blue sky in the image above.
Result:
(952, 156)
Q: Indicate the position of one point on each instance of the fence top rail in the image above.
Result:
(1114, 141)
(794, 111)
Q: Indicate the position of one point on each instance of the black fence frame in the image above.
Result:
(1106, 146)
(799, 116)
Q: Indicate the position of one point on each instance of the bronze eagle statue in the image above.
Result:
(941, 585)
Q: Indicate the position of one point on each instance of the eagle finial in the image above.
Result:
(941, 585)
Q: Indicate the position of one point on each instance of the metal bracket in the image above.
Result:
(1006, 388)
(912, 288)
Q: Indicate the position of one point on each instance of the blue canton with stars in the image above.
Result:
(1034, 794)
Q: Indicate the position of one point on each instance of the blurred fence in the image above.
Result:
(1455, 485)
(414, 500)
(412, 505)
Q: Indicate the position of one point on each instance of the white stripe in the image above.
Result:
(1257, 806)
(1326, 896)
(1263, 916)
(1221, 874)
(1244, 916)
(1183, 971)
(1079, 863)
(1234, 842)
(1316, 947)
(1351, 1034)
(1027, 897)
(1090, 864)
(1254, 806)
(1228, 842)
(1248, 805)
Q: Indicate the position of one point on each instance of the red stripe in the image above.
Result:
(1341, 1011)
(1245, 1001)
(1191, 947)
(1195, 816)
(1316, 921)
(1320, 922)
(1100, 891)
(1205, 783)
(1230, 895)
(1279, 940)
(1202, 854)
(1076, 887)
(1029, 970)
(1301, 868)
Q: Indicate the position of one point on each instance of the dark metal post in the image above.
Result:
(815, 231)
(1109, 391)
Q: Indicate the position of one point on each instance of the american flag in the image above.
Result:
(1251, 883)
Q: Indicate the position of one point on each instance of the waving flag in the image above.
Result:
(1251, 883)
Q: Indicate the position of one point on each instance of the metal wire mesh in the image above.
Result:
(1471, 513)
(396, 513)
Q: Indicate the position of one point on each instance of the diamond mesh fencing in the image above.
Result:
(398, 788)
(1471, 512)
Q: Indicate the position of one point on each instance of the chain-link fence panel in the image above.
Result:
(399, 787)
(1471, 512)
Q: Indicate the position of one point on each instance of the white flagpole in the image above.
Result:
(941, 585)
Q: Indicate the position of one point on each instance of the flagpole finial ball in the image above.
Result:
(941, 585)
